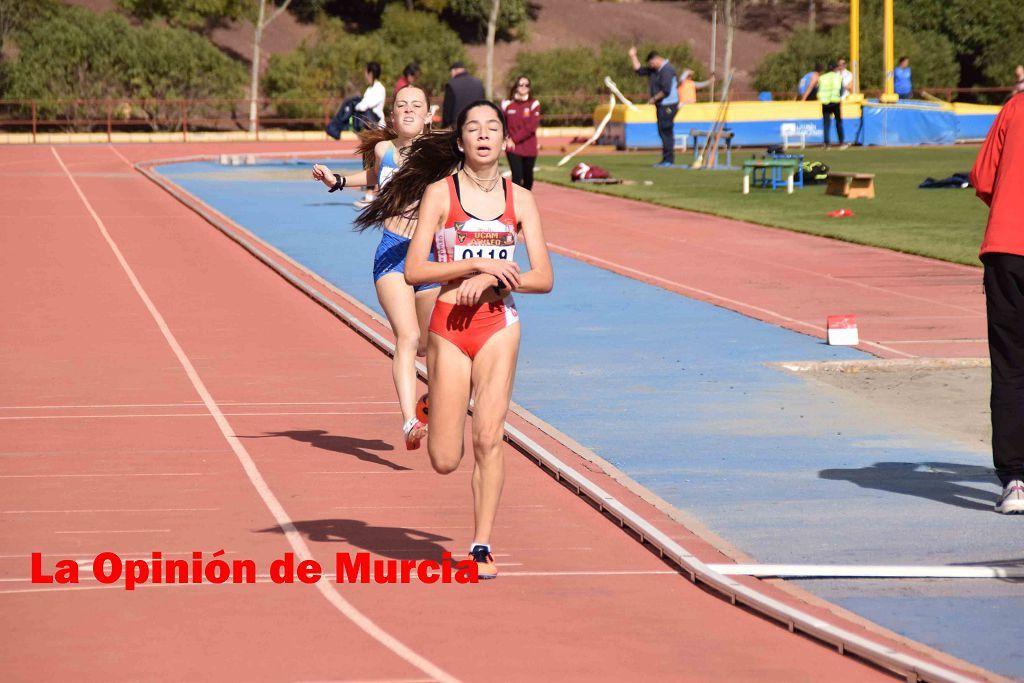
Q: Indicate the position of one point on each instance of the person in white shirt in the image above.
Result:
(847, 76)
(370, 110)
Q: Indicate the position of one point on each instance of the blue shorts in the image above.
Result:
(390, 258)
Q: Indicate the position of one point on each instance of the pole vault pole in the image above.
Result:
(714, 53)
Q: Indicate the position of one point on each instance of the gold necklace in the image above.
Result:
(479, 182)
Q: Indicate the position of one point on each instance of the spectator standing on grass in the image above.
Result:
(830, 94)
(688, 87)
(410, 74)
(901, 79)
(461, 90)
(522, 116)
(998, 177)
(370, 109)
(847, 78)
(807, 88)
(662, 85)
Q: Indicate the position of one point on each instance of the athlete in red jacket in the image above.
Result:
(998, 178)
(522, 114)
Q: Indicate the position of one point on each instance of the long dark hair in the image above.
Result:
(515, 87)
(431, 157)
(368, 140)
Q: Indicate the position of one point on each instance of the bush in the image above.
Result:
(570, 80)
(79, 55)
(334, 64)
(932, 57)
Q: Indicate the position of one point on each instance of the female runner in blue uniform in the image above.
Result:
(407, 308)
(474, 329)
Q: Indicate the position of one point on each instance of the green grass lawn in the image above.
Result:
(942, 224)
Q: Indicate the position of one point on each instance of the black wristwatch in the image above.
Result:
(498, 287)
(339, 183)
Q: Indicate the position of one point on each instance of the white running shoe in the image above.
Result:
(1012, 500)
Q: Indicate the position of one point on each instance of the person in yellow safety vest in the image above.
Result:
(688, 87)
(830, 94)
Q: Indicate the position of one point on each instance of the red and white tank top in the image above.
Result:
(465, 236)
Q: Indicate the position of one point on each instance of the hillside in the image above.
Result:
(577, 22)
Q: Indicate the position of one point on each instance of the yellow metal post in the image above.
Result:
(889, 94)
(855, 44)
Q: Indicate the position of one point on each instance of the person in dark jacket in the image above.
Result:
(462, 89)
(522, 115)
(663, 86)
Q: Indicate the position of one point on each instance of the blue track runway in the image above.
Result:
(677, 394)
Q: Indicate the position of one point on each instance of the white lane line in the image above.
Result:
(376, 680)
(936, 341)
(76, 511)
(116, 474)
(292, 535)
(199, 404)
(848, 571)
(852, 279)
(467, 471)
(612, 572)
(119, 155)
(433, 507)
(80, 557)
(117, 531)
(611, 265)
(327, 578)
(203, 415)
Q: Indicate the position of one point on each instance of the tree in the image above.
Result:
(492, 27)
(932, 56)
(193, 14)
(261, 21)
(987, 35)
(577, 74)
(79, 55)
(511, 18)
(16, 15)
(335, 61)
(204, 13)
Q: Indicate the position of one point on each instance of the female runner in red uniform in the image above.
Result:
(474, 219)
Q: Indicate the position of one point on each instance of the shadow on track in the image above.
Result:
(320, 438)
(938, 481)
(387, 541)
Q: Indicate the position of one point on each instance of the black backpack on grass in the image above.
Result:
(815, 172)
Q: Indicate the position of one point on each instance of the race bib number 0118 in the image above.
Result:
(492, 245)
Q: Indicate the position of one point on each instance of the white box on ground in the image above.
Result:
(842, 330)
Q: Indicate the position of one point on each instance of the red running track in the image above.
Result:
(165, 391)
(907, 306)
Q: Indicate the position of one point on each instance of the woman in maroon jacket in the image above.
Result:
(522, 114)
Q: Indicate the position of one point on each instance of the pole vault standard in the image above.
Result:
(855, 43)
(889, 94)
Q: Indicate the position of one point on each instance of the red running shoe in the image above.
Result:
(414, 431)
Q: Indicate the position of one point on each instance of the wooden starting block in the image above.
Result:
(851, 185)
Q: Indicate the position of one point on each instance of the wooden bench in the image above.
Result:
(851, 185)
(778, 167)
